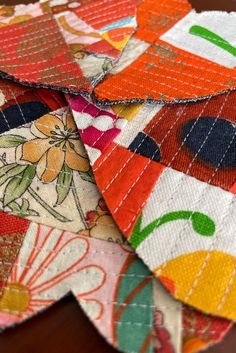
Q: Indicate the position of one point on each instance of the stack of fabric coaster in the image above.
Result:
(118, 168)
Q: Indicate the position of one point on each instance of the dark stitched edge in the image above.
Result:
(160, 101)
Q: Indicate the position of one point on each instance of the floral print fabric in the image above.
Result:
(113, 287)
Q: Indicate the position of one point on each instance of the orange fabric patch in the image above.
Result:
(126, 180)
(233, 188)
(165, 72)
(156, 17)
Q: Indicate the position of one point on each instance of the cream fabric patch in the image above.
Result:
(210, 35)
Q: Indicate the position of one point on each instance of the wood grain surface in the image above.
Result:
(64, 328)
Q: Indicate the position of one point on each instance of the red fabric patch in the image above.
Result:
(35, 52)
(166, 128)
(98, 14)
(126, 180)
(10, 224)
(12, 231)
(54, 100)
(199, 327)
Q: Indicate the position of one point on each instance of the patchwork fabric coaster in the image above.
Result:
(40, 264)
(53, 262)
(68, 47)
(176, 55)
(113, 287)
(169, 181)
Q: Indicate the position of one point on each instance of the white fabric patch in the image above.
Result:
(176, 191)
(137, 124)
(93, 153)
(83, 120)
(73, 5)
(58, 2)
(222, 24)
(121, 123)
(101, 123)
(134, 48)
(2, 99)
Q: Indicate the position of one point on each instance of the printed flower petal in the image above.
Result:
(69, 121)
(79, 148)
(47, 258)
(92, 308)
(105, 228)
(88, 280)
(50, 164)
(32, 151)
(8, 319)
(36, 238)
(75, 161)
(46, 125)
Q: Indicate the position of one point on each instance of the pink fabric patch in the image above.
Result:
(97, 127)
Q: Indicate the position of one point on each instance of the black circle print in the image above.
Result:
(145, 146)
(213, 141)
(22, 113)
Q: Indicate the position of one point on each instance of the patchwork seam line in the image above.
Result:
(169, 165)
(200, 198)
(146, 166)
(181, 180)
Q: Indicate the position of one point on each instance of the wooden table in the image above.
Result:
(64, 328)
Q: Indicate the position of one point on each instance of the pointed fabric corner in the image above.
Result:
(124, 178)
(176, 55)
(39, 264)
(61, 46)
(166, 173)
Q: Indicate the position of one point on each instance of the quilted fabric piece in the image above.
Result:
(163, 171)
(25, 47)
(38, 126)
(168, 158)
(51, 263)
(21, 105)
(113, 287)
(41, 273)
(48, 193)
(68, 47)
(177, 54)
(200, 330)
(116, 292)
